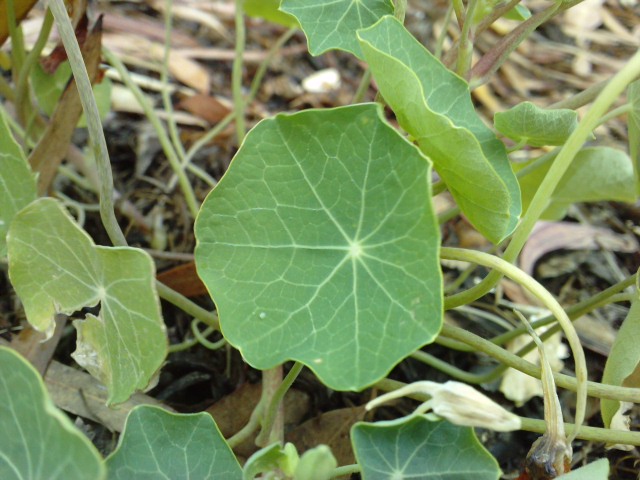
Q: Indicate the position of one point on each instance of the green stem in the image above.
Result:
(465, 47)
(163, 138)
(17, 40)
(201, 336)
(443, 34)
(346, 470)
(592, 434)
(92, 115)
(560, 165)
(400, 9)
(252, 426)
(236, 74)
(187, 306)
(517, 275)
(365, 81)
(164, 79)
(276, 401)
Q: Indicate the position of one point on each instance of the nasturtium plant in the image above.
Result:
(332, 24)
(38, 441)
(320, 245)
(434, 106)
(269, 10)
(529, 124)
(633, 92)
(56, 268)
(598, 470)
(415, 447)
(17, 183)
(160, 444)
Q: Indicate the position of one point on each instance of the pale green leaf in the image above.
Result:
(272, 458)
(38, 441)
(320, 245)
(55, 267)
(434, 106)
(17, 183)
(596, 174)
(332, 24)
(633, 96)
(317, 463)
(269, 10)
(598, 470)
(518, 13)
(160, 444)
(623, 365)
(529, 124)
(415, 447)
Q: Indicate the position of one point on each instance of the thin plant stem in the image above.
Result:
(560, 165)
(236, 74)
(400, 9)
(276, 400)
(443, 34)
(465, 46)
(346, 470)
(17, 39)
(187, 306)
(94, 125)
(201, 337)
(164, 79)
(167, 146)
(517, 275)
(248, 430)
(363, 86)
(264, 65)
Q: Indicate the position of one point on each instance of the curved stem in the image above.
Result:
(186, 305)
(94, 125)
(506, 268)
(346, 470)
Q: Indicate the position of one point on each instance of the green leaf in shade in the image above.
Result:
(38, 441)
(598, 470)
(434, 106)
(415, 447)
(518, 13)
(529, 124)
(596, 174)
(160, 444)
(17, 183)
(332, 24)
(320, 245)
(623, 365)
(633, 96)
(269, 10)
(55, 267)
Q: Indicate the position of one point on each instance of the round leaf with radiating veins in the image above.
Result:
(332, 24)
(320, 245)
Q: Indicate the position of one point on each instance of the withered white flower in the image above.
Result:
(457, 402)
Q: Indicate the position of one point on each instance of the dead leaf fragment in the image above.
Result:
(206, 107)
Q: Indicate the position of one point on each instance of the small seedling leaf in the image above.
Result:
(269, 10)
(38, 441)
(159, 444)
(320, 245)
(529, 124)
(332, 24)
(56, 268)
(17, 183)
(272, 458)
(598, 470)
(596, 174)
(434, 106)
(415, 447)
(623, 365)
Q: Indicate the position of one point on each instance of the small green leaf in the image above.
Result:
(598, 470)
(415, 447)
(633, 95)
(434, 106)
(160, 444)
(623, 365)
(518, 13)
(17, 183)
(55, 267)
(273, 458)
(529, 124)
(332, 24)
(38, 441)
(320, 245)
(596, 174)
(269, 10)
(317, 463)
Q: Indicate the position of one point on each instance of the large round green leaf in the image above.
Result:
(320, 245)
(157, 444)
(38, 441)
(417, 448)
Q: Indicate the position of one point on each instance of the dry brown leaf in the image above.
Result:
(206, 107)
(550, 236)
(22, 7)
(184, 280)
